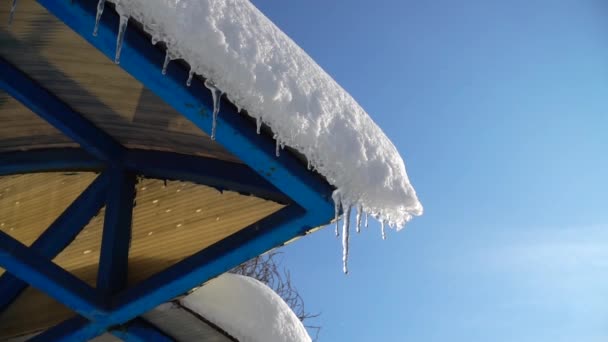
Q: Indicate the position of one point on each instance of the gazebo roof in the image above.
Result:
(113, 197)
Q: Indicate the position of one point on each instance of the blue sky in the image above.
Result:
(500, 110)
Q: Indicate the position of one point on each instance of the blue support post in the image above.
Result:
(139, 330)
(51, 279)
(59, 234)
(116, 239)
(57, 113)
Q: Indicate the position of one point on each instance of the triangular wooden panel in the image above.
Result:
(171, 221)
(64, 63)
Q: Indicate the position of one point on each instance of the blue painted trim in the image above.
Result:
(57, 113)
(116, 239)
(139, 330)
(46, 160)
(234, 131)
(222, 175)
(53, 280)
(59, 234)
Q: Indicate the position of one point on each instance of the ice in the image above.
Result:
(122, 28)
(12, 12)
(345, 236)
(231, 43)
(246, 309)
(100, 6)
(382, 224)
(216, 94)
(166, 62)
(366, 220)
(189, 83)
(258, 124)
(278, 145)
(358, 219)
(337, 205)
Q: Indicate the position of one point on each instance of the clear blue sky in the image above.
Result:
(500, 109)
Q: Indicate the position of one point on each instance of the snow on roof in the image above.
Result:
(246, 309)
(242, 53)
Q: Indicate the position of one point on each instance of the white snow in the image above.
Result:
(260, 69)
(246, 309)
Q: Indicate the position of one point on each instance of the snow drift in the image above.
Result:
(246, 309)
(242, 53)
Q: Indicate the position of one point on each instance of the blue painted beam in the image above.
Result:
(211, 262)
(116, 239)
(222, 175)
(235, 132)
(59, 234)
(57, 113)
(51, 279)
(47, 160)
(139, 330)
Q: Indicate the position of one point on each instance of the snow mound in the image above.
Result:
(246, 309)
(260, 69)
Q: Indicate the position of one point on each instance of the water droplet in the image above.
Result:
(87, 251)
(155, 201)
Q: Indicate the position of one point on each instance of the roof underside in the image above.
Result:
(171, 221)
(64, 63)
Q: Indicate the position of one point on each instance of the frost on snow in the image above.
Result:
(246, 309)
(242, 53)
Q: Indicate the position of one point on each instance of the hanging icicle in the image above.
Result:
(308, 165)
(358, 219)
(100, 7)
(166, 62)
(12, 12)
(258, 124)
(337, 204)
(122, 28)
(217, 95)
(365, 220)
(383, 223)
(190, 76)
(345, 236)
(277, 151)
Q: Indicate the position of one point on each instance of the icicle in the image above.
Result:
(12, 12)
(383, 230)
(217, 95)
(278, 145)
(345, 235)
(365, 220)
(258, 124)
(337, 204)
(189, 81)
(100, 6)
(358, 224)
(122, 28)
(309, 166)
(166, 62)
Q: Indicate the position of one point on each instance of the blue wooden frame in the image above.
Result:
(113, 307)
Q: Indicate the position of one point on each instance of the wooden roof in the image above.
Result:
(171, 220)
